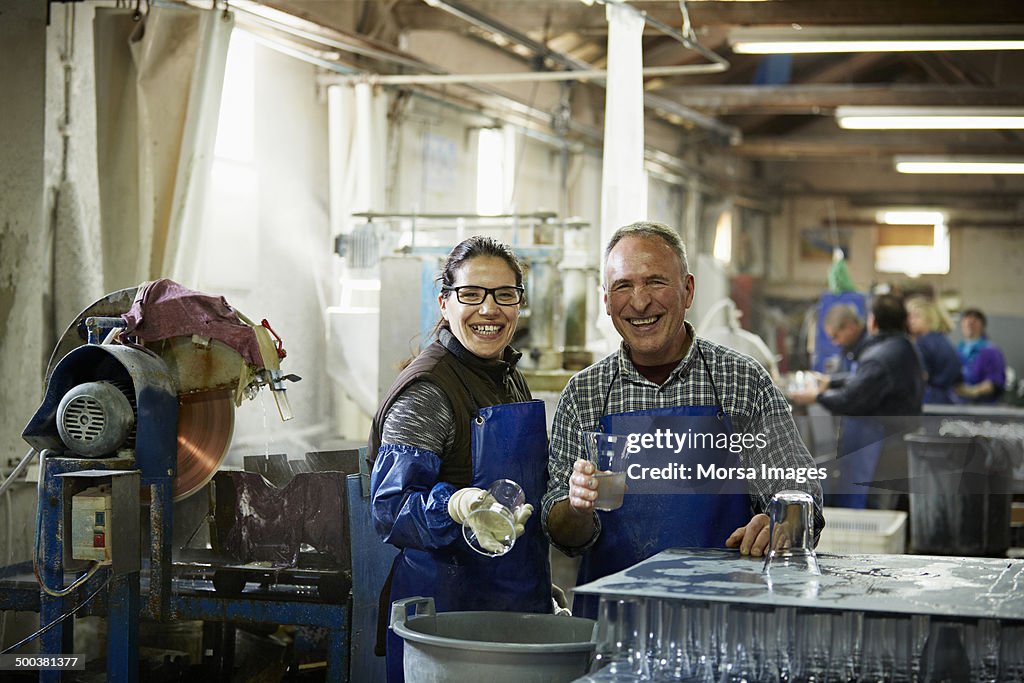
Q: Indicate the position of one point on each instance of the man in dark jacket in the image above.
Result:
(875, 400)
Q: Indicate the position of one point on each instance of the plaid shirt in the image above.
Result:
(745, 389)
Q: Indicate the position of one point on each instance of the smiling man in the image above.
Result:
(661, 369)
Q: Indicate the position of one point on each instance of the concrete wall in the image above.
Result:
(25, 289)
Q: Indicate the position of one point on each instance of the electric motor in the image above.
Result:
(95, 419)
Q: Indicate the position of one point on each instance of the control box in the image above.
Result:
(90, 514)
(101, 518)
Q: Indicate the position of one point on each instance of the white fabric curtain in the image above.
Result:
(623, 181)
(357, 139)
(158, 86)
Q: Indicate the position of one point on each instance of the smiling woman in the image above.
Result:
(458, 418)
(485, 309)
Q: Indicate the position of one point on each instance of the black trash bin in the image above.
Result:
(960, 497)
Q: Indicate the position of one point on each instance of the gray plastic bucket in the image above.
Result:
(959, 498)
(494, 647)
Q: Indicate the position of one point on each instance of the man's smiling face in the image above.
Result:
(647, 295)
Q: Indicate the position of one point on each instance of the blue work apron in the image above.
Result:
(860, 448)
(508, 441)
(648, 523)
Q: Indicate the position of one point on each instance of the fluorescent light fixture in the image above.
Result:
(910, 217)
(797, 40)
(990, 165)
(929, 118)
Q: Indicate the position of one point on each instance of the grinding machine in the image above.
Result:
(137, 414)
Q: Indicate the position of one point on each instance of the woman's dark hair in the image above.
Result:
(975, 313)
(468, 249)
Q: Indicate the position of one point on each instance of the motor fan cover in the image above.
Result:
(94, 419)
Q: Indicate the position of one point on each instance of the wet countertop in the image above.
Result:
(905, 584)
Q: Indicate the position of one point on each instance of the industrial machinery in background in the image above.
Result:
(138, 414)
(387, 304)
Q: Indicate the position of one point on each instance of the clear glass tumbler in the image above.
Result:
(491, 528)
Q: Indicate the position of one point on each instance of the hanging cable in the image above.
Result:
(8, 558)
(25, 460)
(59, 619)
(55, 592)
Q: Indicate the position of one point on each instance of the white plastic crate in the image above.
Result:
(848, 531)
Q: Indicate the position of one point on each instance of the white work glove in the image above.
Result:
(489, 537)
(521, 515)
(467, 500)
(464, 501)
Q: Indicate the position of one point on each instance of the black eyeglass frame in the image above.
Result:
(487, 291)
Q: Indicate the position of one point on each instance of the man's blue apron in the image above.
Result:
(508, 441)
(649, 523)
(860, 447)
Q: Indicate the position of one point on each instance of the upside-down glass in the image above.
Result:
(622, 640)
(813, 638)
(496, 519)
(608, 454)
(791, 532)
(945, 657)
(670, 651)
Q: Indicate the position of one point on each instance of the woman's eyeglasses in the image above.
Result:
(472, 295)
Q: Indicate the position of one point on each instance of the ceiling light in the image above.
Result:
(794, 40)
(910, 217)
(929, 118)
(993, 165)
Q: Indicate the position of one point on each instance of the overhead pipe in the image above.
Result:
(490, 25)
(577, 67)
(512, 77)
(707, 54)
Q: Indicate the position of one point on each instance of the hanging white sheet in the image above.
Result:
(357, 138)
(623, 181)
(158, 86)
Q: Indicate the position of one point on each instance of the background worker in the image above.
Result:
(928, 325)
(886, 385)
(982, 362)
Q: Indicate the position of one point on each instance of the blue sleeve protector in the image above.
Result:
(409, 505)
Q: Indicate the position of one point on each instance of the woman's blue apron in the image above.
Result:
(508, 441)
(648, 523)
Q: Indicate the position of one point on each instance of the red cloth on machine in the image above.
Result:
(163, 309)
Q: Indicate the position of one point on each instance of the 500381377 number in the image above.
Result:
(39, 662)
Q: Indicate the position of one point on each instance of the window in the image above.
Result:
(912, 242)
(722, 249)
(495, 171)
(231, 221)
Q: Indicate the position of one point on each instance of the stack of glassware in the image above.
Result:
(654, 639)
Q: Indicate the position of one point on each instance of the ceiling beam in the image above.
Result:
(562, 15)
(818, 99)
(844, 71)
(846, 12)
(852, 151)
